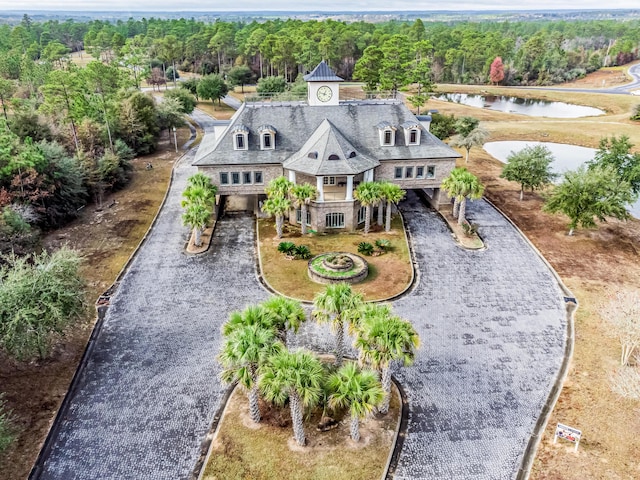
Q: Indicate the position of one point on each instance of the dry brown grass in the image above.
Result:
(219, 111)
(240, 451)
(591, 263)
(389, 274)
(105, 239)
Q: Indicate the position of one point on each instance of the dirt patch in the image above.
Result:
(105, 238)
(603, 78)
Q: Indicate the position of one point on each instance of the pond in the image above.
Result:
(567, 157)
(523, 106)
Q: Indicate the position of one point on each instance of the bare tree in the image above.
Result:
(623, 315)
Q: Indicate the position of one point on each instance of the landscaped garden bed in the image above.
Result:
(389, 274)
(267, 450)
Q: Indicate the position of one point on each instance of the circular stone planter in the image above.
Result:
(336, 267)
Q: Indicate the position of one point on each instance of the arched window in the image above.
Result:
(333, 156)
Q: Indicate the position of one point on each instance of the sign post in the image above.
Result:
(568, 433)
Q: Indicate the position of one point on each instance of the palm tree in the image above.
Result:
(196, 217)
(243, 352)
(277, 206)
(297, 377)
(199, 200)
(336, 304)
(392, 193)
(383, 339)
(285, 314)
(358, 390)
(453, 187)
(302, 196)
(471, 189)
(251, 315)
(202, 180)
(278, 187)
(368, 194)
(475, 138)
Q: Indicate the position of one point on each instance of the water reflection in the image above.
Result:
(567, 157)
(523, 106)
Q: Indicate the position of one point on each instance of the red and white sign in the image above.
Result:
(565, 432)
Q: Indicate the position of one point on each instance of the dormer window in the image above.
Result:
(387, 134)
(267, 137)
(240, 138)
(352, 154)
(333, 156)
(411, 133)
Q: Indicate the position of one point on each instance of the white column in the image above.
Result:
(349, 187)
(319, 187)
(292, 176)
(368, 176)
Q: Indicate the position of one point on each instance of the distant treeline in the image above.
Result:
(533, 52)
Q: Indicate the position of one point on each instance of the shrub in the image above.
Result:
(7, 434)
(268, 85)
(302, 252)
(442, 126)
(636, 113)
(187, 100)
(288, 248)
(469, 229)
(383, 244)
(40, 296)
(365, 248)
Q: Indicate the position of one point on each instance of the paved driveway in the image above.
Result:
(493, 329)
(492, 325)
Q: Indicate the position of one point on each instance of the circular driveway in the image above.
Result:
(492, 325)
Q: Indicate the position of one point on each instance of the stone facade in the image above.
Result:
(330, 144)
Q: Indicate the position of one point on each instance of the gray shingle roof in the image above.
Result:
(328, 143)
(322, 73)
(295, 123)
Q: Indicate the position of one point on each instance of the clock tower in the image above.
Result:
(322, 86)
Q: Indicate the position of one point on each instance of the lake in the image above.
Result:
(567, 157)
(522, 106)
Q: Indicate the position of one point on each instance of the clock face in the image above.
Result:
(324, 94)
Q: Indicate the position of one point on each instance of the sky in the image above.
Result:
(307, 5)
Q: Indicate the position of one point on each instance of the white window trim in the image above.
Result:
(228, 182)
(272, 139)
(333, 215)
(245, 141)
(407, 135)
(329, 181)
(261, 177)
(406, 171)
(383, 134)
(423, 172)
(426, 173)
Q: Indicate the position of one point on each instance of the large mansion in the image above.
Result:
(332, 144)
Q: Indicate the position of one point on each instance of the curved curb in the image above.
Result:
(421, 194)
(205, 447)
(401, 433)
(392, 461)
(101, 310)
(410, 285)
(571, 307)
